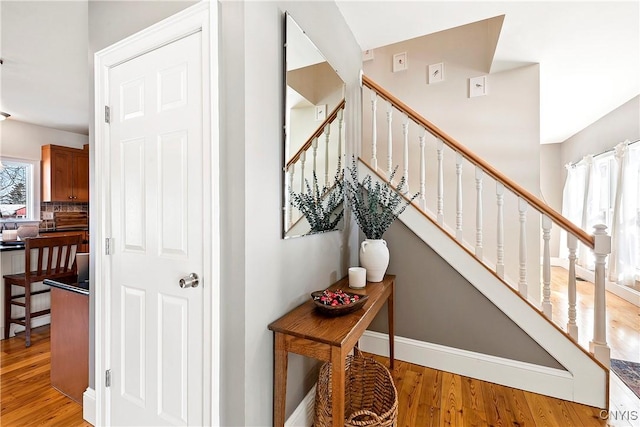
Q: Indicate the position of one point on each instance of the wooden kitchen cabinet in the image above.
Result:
(65, 174)
(84, 247)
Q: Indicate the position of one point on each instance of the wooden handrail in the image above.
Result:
(534, 201)
(330, 118)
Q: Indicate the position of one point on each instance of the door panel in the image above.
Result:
(157, 155)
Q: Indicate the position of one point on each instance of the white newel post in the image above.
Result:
(478, 213)
(522, 283)
(546, 267)
(389, 139)
(405, 152)
(459, 197)
(327, 131)
(423, 171)
(374, 135)
(440, 199)
(601, 248)
(500, 227)
(572, 327)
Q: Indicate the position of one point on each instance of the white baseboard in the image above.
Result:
(511, 373)
(89, 406)
(623, 292)
(38, 321)
(304, 413)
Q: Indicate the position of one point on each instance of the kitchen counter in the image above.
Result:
(11, 246)
(78, 288)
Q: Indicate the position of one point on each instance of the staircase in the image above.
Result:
(513, 216)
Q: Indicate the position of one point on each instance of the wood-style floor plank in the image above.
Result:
(623, 318)
(427, 397)
(26, 395)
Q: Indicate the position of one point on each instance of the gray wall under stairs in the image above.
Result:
(440, 306)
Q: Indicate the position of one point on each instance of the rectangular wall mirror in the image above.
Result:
(313, 138)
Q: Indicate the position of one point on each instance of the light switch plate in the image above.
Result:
(478, 86)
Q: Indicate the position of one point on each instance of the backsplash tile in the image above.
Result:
(49, 224)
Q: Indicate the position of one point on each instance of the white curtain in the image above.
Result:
(624, 260)
(606, 190)
(572, 200)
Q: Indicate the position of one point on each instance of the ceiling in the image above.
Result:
(45, 75)
(589, 52)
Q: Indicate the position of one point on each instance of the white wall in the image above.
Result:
(23, 140)
(551, 184)
(619, 125)
(263, 275)
(502, 127)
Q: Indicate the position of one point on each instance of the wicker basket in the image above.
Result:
(370, 397)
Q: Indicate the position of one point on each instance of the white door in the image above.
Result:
(156, 161)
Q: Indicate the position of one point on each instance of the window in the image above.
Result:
(19, 189)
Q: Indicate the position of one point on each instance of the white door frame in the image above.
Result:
(199, 17)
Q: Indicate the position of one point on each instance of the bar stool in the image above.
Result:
(54, 259)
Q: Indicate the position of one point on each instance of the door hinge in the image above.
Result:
(107, 114)
(107, 378)
(108, 245)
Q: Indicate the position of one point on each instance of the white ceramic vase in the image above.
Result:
(374, 256)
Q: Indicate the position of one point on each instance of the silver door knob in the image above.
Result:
(190, 281)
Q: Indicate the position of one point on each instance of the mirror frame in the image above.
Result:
(321, 130)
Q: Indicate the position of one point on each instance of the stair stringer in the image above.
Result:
(589, 378)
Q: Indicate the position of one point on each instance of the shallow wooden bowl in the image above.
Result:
(339, 310)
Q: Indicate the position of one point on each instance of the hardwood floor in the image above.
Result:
(26, 395)
(427, 397)
(623, 318)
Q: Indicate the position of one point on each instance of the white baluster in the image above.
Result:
(500, 226)
(292, 171)
(459, 197)
(522, 283)
(546, 267)
(405, 132)
(572, 327)
(440, 196)
(374, 135)
(314, 145)
(601, 248)
(340, 124)
(478, 213)
(327, 131)
(389, 140)
(303, 159)
(423, 171)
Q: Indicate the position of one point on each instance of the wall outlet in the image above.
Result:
(47, 215)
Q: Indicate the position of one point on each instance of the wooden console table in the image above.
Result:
(305, 331)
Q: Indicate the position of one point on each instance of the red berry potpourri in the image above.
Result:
(334, 299)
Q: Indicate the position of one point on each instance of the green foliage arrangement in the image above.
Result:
(375, 206)
(323, 208)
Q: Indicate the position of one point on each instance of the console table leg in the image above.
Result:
(337, 386)
(280, 380)
(391, 318)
